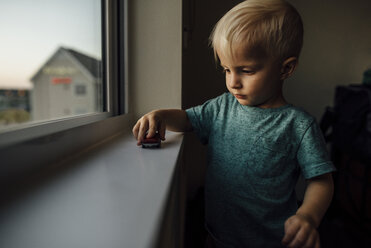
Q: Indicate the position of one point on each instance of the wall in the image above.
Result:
(155, 55)
(336, 51)
(202, 78)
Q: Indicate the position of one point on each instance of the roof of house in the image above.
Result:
(89, 64)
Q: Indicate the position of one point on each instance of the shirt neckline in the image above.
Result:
(257, 110)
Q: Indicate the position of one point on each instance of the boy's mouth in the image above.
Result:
(240, 96)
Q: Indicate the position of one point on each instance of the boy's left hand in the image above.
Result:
(300, 232)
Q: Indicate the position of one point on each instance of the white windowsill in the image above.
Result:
(113, 195)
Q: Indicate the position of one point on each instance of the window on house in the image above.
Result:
(47, 48)
(80, 89)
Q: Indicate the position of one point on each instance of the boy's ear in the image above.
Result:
(288, 67)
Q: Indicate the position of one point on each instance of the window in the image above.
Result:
(80, 89)
(28, 126)
(47, 48)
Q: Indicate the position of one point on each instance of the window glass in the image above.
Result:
(50, 63)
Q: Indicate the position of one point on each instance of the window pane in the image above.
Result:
(50, 63)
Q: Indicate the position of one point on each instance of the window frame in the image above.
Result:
(54, 140)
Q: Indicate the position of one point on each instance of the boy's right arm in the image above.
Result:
(159, 120)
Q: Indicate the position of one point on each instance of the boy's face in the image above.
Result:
(253, 80)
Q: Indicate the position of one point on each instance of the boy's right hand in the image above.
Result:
(148, 125)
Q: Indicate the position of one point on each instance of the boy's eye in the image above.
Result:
(245, 71)
(248, 71)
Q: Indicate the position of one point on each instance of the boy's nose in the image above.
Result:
(235, 81)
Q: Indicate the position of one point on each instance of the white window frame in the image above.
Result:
(28, 146)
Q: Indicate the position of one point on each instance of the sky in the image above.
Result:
(32, 30)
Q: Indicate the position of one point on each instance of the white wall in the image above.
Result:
(155, 50)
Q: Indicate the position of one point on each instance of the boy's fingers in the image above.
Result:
(290, 231)
(147, 127)
(152, 129)
(312, 240)
(142, 131)
(289, 239)
(136, 130)
(162, 130)
(300, 235)
(300, 239)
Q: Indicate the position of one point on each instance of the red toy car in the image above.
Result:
(154, 142)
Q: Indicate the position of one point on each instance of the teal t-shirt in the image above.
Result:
(254, 159)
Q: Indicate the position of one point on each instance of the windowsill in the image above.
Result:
(112, 195)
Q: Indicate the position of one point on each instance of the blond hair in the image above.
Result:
(272, 26)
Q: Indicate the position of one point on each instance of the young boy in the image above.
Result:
(257, 142)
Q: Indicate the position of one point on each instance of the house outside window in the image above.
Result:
(60, 78)
(40, 76)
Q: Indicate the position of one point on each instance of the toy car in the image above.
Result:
(154, 142)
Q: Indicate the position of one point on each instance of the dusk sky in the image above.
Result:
(31, 31)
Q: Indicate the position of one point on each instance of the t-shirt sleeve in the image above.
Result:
(312, 154)
(202, 117)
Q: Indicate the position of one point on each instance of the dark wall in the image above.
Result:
(201, 78)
